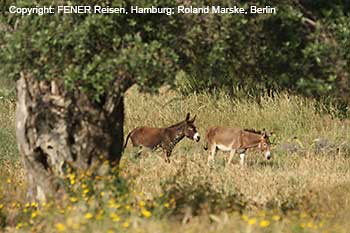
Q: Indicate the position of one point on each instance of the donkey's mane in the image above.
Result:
(176, 125)
(253, 131)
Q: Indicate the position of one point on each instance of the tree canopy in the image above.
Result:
(90, 51)
(304, 47)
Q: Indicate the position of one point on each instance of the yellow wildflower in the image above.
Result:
(310, 224)
(34, 214)
(86, 191)
(88, 216)
(111, 203)
(114, 217)
(60, 227)
(72, 179)
(99, 215)
(252, 221)
(264, 223)
(73, 199)
(34, 204)
(245, 217)
(19, 225)
(146, 213)
(102, 194)
(142, 203)
(72, 176)
(276, 218)
(1, 206)
(166, 205)
(126, 224)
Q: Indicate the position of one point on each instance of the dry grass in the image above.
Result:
(8, 147)
(303, 189)
(288, 116)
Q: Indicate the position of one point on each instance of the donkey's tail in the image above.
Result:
(126, 141)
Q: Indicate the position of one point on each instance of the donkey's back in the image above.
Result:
(146, 136)
(225, 136)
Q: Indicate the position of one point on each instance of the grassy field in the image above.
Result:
(304, 188)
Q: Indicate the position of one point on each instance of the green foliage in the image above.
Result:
(91, 51)
(304, 47)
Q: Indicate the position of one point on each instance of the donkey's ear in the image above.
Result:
(193, 119)
(263, 133)
(188, 116)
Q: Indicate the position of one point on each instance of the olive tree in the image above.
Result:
(72, 71)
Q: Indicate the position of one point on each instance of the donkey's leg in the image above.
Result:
(241, 156)
(167, 151)
(139, 151)
(232, 153)
(167, 155)
(212, 153)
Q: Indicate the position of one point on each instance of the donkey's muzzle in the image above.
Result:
(196, 137)
(268, 155)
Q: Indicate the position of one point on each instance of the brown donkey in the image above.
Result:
(165, 138)
(235, 139)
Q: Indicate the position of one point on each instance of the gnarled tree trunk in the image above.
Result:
(58, 128)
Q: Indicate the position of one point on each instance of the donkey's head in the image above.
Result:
(264, 144)
(190, 130)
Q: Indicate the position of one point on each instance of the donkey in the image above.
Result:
(165, 138)
(235, 139)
